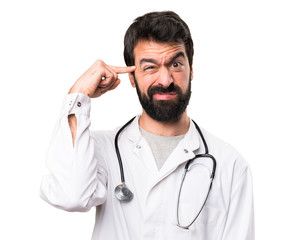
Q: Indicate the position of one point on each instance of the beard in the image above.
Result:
(164, 110)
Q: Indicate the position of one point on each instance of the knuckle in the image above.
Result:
(99, 63)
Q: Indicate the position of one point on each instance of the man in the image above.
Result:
(154, 148)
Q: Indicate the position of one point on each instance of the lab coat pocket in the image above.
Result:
(209, 222)
(211, 215)
(206, 226)
(208, 215)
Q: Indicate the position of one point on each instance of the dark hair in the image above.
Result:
(162, 27)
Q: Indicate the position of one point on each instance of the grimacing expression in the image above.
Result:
(164, 110)
(162, 79)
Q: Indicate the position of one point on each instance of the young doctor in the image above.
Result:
(159, 176)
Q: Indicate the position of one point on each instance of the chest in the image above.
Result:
(154, 210)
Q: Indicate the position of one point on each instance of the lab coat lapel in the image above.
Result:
(140, 147)
(182, 153)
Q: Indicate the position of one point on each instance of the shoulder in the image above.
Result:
(104, 147)
(109, 135)
(227, 157)
(103, 136)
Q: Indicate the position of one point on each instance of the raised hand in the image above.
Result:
(99, 79)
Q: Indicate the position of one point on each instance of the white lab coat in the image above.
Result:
(85, 176)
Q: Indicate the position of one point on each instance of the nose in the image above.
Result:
(165, 77)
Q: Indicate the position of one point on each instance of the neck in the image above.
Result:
(169, 129)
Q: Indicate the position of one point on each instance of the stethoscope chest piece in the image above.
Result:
(123, 193)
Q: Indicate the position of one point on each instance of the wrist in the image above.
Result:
(75, 89)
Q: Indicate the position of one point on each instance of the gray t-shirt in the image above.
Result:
(161, 146)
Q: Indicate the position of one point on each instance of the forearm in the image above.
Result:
(73, 179)
(75, 182)
(73, 122)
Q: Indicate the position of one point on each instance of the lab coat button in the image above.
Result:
(138, 146)
(79, 104)
(185, 150)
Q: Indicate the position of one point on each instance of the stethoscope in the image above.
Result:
(123, 193)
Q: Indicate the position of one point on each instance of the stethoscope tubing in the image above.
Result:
(118, 152)
(187, 164)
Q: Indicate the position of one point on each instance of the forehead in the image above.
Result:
(151, 49)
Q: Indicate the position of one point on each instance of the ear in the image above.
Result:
(132, 80)
(191, 73)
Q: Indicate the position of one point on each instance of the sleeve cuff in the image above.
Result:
(76, 103)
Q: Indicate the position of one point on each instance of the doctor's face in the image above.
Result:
(162, 79)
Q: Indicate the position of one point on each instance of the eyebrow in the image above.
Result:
(145, 60)
(179, 54)
(151, 60)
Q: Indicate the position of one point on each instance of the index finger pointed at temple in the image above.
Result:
(123, 69)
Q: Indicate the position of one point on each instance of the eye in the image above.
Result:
(148, 68)
(176, 64)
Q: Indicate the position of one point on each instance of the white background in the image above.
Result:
(248, 89)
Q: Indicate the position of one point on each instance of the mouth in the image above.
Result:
(164, 96)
